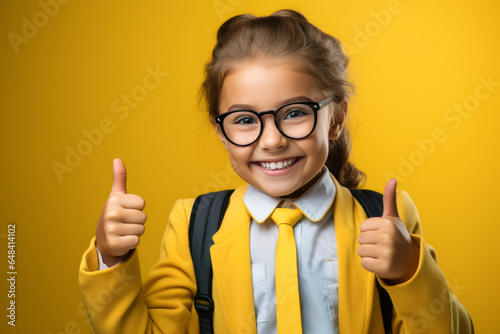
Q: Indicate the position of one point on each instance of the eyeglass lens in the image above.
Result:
(294, 120)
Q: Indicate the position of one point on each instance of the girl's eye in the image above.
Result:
(244, 120)
(295, 113)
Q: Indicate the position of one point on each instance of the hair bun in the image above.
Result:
(231, 24)
(291, 14)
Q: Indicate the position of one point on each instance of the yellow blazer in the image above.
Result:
(116, 301)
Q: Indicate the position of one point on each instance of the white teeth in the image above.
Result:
(278, 165)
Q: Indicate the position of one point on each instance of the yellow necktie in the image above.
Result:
(287, 283)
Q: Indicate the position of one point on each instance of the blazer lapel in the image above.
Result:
(355, 283)
(233, 292)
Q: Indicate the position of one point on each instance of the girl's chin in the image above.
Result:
(286, 188)
(284, 191)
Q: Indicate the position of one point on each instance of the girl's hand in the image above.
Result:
(385, 246)
(122, 220)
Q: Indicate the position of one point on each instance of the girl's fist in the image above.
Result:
(122, 220)
(385, 246)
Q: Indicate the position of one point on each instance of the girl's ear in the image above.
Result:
(337, 120)
(219, 133)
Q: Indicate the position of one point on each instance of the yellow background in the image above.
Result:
(410, 68)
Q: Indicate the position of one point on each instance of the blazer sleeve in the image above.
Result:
(116, 301)
(424, 303)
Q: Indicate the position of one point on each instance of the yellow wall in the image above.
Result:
(415, 63)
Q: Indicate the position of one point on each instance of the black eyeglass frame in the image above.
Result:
(315, 106)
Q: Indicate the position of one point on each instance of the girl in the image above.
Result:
(278, 98)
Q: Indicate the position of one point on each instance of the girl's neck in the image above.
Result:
(306, 187)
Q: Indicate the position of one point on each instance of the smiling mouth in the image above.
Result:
(282, 164)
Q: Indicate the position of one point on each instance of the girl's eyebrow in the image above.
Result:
(300, 98)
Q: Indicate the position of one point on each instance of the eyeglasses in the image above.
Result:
(295, 120)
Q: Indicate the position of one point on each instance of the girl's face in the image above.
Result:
(266, 85)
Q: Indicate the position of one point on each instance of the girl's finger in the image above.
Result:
(368, 237)
(368, 250)
(133, 216)
(370, 264)
(371, 224)
(131, 201)
(129, 242)
(130, 230)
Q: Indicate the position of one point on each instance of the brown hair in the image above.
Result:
(286, 35)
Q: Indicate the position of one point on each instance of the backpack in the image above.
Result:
(206, 218)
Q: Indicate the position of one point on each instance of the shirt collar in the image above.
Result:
(314, 204)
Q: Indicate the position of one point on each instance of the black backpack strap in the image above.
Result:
(372, 203)
(206, 217)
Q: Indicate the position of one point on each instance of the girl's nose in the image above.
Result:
(271, 138)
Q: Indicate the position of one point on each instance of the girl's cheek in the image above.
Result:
(237, 158)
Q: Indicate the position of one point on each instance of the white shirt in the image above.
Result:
(316, 257)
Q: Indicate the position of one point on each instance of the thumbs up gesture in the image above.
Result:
(385, 246)
(122, 220)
